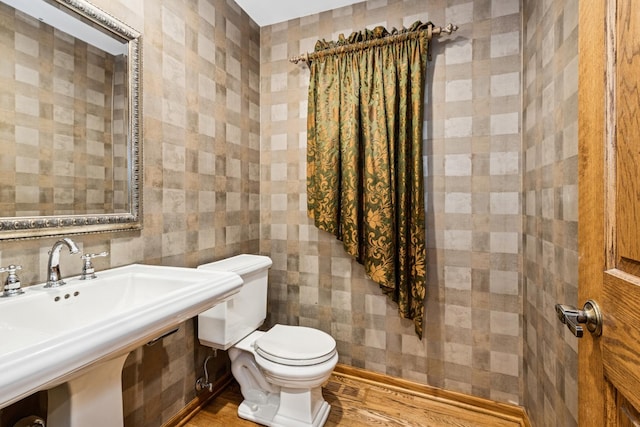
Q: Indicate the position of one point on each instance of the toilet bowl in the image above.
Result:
(280, 371)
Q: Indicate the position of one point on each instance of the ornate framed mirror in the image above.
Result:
(70, 138)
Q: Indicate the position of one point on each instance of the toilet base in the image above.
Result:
(299, 409)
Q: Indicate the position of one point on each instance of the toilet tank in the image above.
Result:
(227, 323)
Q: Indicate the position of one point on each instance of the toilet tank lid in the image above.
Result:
(240, 264)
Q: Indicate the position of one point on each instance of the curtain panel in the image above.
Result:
(364, 156)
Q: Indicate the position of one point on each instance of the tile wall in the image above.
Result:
(473, 327)
(550, 245)
(201, 184)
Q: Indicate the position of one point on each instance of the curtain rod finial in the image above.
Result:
(450, 28)
(302, 57)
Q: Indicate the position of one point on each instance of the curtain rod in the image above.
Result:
(434, 31)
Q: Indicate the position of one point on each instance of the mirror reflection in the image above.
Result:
(68, 144)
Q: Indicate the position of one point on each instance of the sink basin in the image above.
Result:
(50, 336)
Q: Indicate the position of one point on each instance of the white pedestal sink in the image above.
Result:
(73, 340)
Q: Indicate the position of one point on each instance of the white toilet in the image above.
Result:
(280, 371)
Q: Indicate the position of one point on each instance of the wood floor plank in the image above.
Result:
(357, 403)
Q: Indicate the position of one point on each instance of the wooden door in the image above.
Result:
(609, 212)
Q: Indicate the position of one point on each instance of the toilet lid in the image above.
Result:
(295, 345)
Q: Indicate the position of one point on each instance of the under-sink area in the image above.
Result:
(73, 340)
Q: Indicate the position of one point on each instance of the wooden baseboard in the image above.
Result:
(199, 402)
(507, 412)
(513, 413)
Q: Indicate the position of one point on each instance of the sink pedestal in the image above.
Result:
(93, 398)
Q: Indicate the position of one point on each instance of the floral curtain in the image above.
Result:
(364, 155)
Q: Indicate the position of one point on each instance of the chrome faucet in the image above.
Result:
(53, 268)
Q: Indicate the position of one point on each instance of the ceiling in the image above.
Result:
(267, 12)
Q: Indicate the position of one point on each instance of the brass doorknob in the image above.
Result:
(590, 316)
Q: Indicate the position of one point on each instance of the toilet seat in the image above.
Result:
(295, 346)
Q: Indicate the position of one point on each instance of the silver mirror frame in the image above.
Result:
(40, 226)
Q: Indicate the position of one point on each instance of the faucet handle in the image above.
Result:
(10, 268)
(91, 256)
(88, 272)
(12, 283)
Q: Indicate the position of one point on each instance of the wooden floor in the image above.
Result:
(356, 403)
